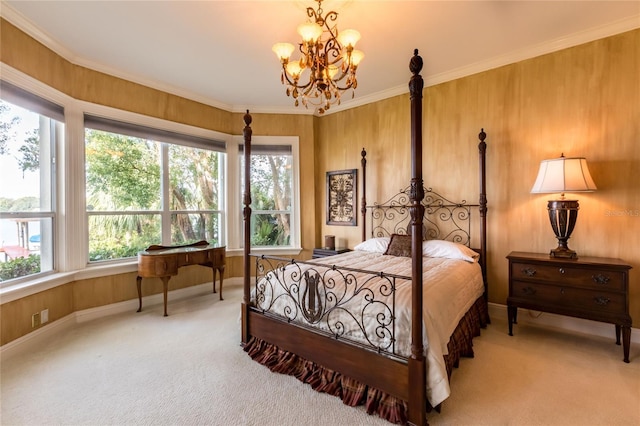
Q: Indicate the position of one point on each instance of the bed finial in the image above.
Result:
(415, 64)
(482, 135)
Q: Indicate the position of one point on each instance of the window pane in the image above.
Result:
(27, 247)
(271, 179)
(271, 229)
(27, 148)
(271, 195)
(123, 172)
(193, 175)
(119, 236)
(189, 228)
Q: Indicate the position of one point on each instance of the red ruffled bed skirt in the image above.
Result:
(353, 392)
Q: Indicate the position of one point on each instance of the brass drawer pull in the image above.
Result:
(530, 272)
(561, 270)
(529, 291)
(600, 279)
(602, 301)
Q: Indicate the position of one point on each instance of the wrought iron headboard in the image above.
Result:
(443, 219)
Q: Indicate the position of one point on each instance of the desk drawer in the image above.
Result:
(569, 297)
(596, 279)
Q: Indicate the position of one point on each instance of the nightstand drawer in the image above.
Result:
(569, 297)
(581, 277)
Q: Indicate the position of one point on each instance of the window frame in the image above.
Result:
(158, 131)
(50, 106)
(295, 247)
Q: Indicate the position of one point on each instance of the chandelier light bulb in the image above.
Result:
(348, 38)
(356, 57)
(283, 50)
(310, 32)
(332, 71)
(294, 69)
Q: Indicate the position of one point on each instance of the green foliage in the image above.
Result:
(120, 236)
(30, 151)
(109, 249)
(123, 172)
(267, 231)
(24, 204)
(20, 267)
(6, 125)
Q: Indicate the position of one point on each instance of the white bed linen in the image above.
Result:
(450, 287)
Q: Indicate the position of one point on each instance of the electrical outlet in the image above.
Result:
(35, 320)
(44, 316)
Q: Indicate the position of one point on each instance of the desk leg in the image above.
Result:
(214, 270)
(139, 285)
(165, 288)
(221, 270)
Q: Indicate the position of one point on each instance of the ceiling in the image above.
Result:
(219, 52)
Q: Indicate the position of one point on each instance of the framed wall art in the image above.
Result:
(342, 188)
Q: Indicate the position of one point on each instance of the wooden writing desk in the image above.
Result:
(163, 262)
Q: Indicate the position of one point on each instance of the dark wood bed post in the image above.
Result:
(363, 208)
(417, 365)
(247, 226)
(482, 154)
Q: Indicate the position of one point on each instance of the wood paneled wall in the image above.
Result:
(582, 101)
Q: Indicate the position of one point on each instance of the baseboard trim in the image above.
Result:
(31, 340)
(561, 322)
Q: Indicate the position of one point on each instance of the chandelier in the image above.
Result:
(326, 68)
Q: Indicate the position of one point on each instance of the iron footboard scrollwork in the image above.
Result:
(350, 304)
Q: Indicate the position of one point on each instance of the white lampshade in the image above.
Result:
(348, 38)
(310, 32)
(283, 50)
(294, 68)
(563, 175)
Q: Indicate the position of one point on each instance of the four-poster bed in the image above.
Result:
(385, 324)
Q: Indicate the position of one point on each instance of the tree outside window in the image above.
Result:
(127, 206)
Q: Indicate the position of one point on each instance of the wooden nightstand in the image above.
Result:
(588, 287)
(324, 252)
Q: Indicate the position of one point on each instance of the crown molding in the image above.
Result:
(607, 30)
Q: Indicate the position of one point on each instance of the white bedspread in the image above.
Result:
(450, 287)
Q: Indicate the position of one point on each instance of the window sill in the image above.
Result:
(280, 251)
(47, 282)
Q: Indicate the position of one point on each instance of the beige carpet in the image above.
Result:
(188, 369)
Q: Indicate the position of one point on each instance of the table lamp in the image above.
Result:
(560, 175)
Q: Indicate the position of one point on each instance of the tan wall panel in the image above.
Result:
(16, 315)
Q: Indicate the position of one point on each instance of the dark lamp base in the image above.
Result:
(564, 253)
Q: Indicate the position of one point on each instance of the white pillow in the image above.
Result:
(374, 245)
(449, 250)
